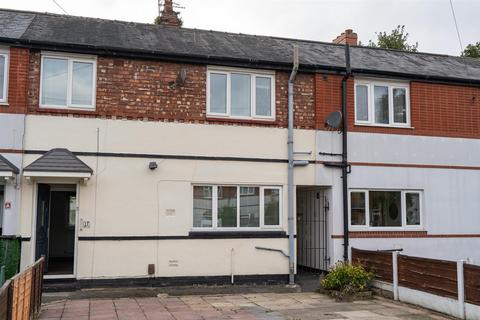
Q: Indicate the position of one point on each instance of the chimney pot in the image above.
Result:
(348, 36)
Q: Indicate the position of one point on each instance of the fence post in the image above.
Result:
(395, 274)
(461, 289)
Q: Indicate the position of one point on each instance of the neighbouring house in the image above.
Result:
(141, 151)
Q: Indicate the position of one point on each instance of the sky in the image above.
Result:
(428, 22)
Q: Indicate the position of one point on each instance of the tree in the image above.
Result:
(397, 39)
(472, 50)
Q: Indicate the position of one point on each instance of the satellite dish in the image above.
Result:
(334, 120)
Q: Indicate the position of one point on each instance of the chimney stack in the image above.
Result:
(168, 17)
(348, 36)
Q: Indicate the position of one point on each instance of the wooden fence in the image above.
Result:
(433, 276)
(21, 296)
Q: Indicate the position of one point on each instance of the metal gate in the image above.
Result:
(312, 231)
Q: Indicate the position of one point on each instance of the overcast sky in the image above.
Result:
(429, 22)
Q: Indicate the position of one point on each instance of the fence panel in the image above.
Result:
(379, 262)
(4, 296)
(430, 275)
(471, 275)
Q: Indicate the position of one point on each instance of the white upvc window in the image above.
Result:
(236, 207)
(385, 209)
(68, 82)
(382, 103)
(240, 94)
(4, 66)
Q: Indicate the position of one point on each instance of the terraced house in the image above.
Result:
(161, 153)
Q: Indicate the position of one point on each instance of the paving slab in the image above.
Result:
(253, 306)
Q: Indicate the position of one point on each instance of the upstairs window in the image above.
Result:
(67, 82)
(382, 103)
(385, 208)
(236, 207)
(240, 94)
(3, 76)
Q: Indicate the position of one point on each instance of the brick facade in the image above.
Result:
(17, 81)
(436, 109)
(142, 90)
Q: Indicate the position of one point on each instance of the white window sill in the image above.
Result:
(4, 104)
(42, 107)
(396, 126)
(223, 117)
(385, 229)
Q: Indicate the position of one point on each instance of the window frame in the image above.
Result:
(261, 226)
(6, 54)
(71, 58)
(404, 226)
(370, 84)
(253, 78)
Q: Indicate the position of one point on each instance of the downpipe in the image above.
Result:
(291, 221)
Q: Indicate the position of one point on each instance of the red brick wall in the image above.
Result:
(17, 81)
(436, 109)
(139, 89)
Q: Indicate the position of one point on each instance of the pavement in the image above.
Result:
(248, 306)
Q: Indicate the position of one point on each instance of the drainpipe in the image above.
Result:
(345, 167)
(291, 240)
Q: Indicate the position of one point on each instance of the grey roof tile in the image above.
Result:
(6, 165)
(99, 34)
(59, 160)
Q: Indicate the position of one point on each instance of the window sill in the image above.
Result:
(4, 104)
(260, 234)
(241, 120)
(383, 126)
(66, 110)
(400, 233)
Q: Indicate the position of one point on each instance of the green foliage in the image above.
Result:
(10, 255)
(472, 50)
(396, 39)
(347, 278)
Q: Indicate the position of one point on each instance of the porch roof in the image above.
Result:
(58, 162)
(7, 168)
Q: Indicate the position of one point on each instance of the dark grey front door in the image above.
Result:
(43, 217)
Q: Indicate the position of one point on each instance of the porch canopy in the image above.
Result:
(58, 163)
(7, 169)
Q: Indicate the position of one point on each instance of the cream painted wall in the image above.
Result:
(125, 198)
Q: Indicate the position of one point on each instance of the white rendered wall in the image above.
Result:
(11, 135)
(451, 203)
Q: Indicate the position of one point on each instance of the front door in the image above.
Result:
(43, 219)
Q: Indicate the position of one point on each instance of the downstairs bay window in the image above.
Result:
(227, 207)
(385, 208)
(240, 94)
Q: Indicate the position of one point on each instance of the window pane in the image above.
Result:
(227, 207)
(72, 210)
(54, 81)
(272, 207)
(385, 208)
(399, 105)
(358, 208)
(381, 104)
(413, 208)
(241, 98)
(249, 207)
(361, 100)
(263, 92)
(218, 93)
(82, 83)
(202, 206)
(3, 68)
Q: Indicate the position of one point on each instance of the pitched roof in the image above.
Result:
(111, 36)
(6, 165)
(58, 160)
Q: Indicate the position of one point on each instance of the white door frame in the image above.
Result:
(34, 226)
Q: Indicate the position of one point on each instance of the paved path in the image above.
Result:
(276, 306)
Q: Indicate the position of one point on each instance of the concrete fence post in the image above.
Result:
(395, 274)
(461, 289)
